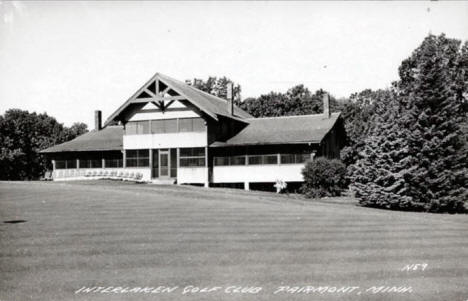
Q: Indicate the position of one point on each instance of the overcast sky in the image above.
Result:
(70, 58)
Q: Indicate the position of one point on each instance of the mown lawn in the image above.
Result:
(112, 234)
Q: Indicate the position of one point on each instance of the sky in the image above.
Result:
(70, 58)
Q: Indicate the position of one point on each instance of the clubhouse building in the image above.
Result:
(170, 132)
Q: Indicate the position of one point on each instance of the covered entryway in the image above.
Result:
(164, 164)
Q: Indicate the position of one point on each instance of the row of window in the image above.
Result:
(165, 126)
(88, 163)
(192, 157)
(188, 157)
(262, 159)
(137, 158)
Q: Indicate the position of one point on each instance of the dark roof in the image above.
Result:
(283, 130)
(203, 100)
(270, 130)
(109, 138)
(209, 104)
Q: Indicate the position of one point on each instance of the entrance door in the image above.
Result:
(164, 163)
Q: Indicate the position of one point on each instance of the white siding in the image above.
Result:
(168, 140)
(257, 173)
(192, 175)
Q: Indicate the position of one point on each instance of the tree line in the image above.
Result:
(406, 146)
(23, 135)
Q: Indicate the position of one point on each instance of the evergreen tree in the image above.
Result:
(415, 156)
(357, 115)
(433, 82)
(378, 175)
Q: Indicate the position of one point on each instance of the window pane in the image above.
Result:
(192, 162)
(185, 125)
(143, 127)
(255, 160)
(238, 160)
(143, 153)
(173, 162)
(201, 161)
(131, 162)
(130, 128)
(60, 164)
(302, 158)
(192, 156)
(186, 152)
(199, 151)
(220, 161)
(131, 153)
(155, 163)
(112, 163)
(270, 159)
(170, 126)
(198, 125)
(143, 162)
(157, 126)
(71, 164)
(287, 159)
(97, 163)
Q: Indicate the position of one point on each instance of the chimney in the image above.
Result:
(197, 82)
(97, 120)
(326, 105)
(230, 98)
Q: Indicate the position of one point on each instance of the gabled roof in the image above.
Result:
(109, 138)
(283, 130)
(205, 102)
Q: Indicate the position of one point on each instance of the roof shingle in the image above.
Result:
(279, 130)
(109, 138)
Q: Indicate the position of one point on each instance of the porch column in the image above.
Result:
(178, 163)
(53, 164)
(246, 186)
(207, 168)
(124, 159)
(151, 162)
(312, 155)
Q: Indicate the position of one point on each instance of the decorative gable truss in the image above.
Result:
(163, 91)
(159, 94)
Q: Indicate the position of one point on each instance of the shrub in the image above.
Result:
(324, 177)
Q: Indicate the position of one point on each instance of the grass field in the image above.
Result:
(107, 234)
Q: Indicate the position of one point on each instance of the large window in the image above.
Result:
(262, 159)
(137, 158)
(65, 164)
(91, 163)
(137, 127)
(162, 126)
(113, 160)
(294, 158)
(191, 125)
(235, 160)
(192, 157)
